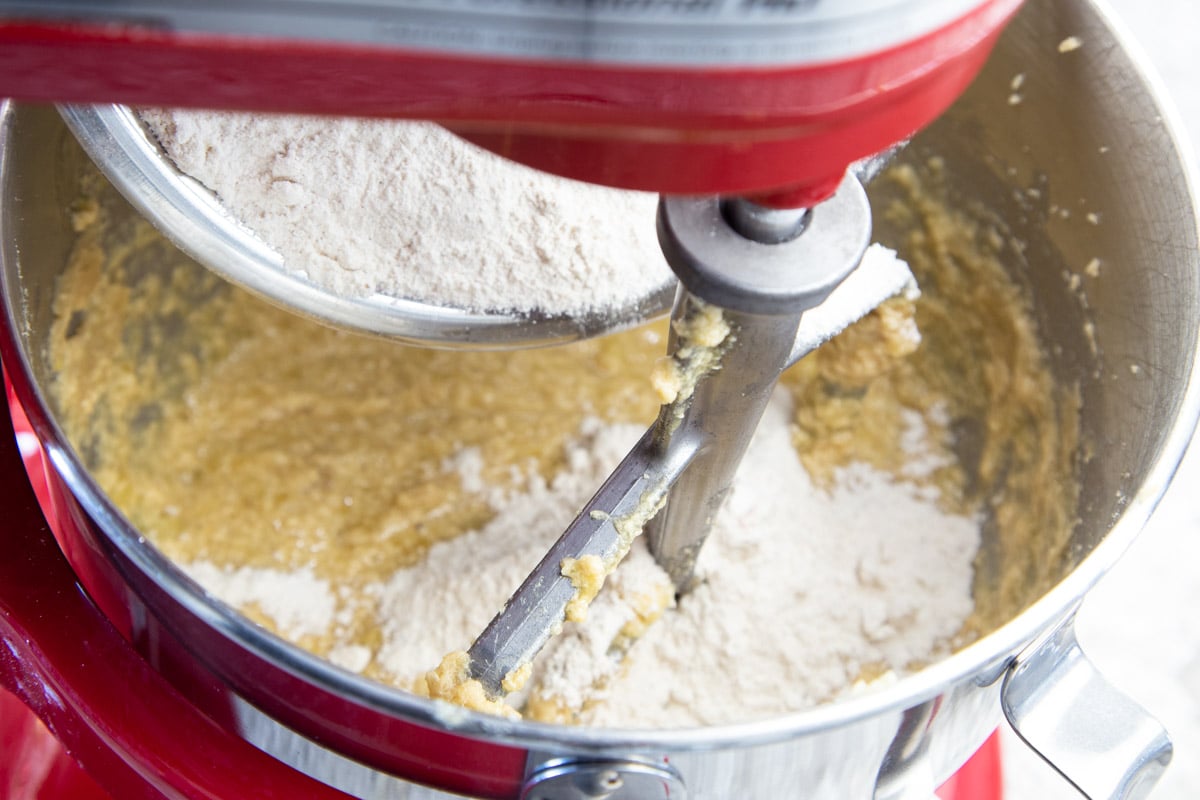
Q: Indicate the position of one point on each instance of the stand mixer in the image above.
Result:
(761, 107)
(771, 101)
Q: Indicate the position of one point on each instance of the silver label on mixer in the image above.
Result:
(651, 32)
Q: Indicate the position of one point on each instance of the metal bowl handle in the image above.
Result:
(1106, 745)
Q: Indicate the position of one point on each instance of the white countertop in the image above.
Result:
(1139, 626)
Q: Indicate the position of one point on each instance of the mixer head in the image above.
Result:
(770, 101)
(707, 97)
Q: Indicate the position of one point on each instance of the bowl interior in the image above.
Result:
(1062, 157)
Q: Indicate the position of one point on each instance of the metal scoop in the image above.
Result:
(192, 217)
(781, 295)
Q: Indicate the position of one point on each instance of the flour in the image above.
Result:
(443, 603)
(801, 592)
(408, 210)
(298, 602)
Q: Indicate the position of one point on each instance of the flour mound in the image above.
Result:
(801, 592)
(408, 210)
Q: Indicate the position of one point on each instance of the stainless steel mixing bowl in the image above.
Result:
(1080, 133)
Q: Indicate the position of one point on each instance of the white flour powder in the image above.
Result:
(408, 210)
(801, 589)
(300, 603)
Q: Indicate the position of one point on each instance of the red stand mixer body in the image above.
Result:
(768, 99)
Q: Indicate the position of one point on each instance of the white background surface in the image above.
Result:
(1139, 626)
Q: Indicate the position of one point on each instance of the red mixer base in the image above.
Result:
(35, 767)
